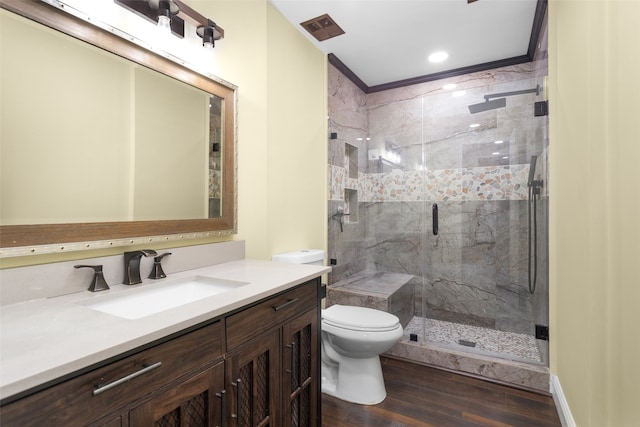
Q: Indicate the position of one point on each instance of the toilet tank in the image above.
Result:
(303, 256)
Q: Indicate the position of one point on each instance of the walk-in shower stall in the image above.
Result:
(438, 212)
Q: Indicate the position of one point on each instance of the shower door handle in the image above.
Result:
(434, 218)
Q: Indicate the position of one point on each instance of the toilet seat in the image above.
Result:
(359, 318)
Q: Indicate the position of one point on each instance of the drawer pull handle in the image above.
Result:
(101, 389)
(223, 407)
(281, 306)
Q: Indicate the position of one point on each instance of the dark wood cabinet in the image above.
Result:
(102, 393)
(193, 402)
(252, 381)
(258, 366)
(278, 372)
(301, 375)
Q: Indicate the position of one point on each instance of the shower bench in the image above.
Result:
(390, 292)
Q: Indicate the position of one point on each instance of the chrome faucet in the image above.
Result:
(132, 265)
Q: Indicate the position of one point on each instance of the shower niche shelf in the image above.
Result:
(350, 205)
(351, 160)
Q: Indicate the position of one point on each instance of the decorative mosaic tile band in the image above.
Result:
(478, 183)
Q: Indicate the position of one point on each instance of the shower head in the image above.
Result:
(501, 101)
(488, 105)
(532, 170)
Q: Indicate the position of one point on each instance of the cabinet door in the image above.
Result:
(252, 380)
(300, 371)
(193, 402)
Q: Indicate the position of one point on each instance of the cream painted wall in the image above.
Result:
(242, 60)
(297, 139)
(40, 161)
(282, 130)
(595, 206)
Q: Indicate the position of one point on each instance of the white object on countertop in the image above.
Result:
(303, 256)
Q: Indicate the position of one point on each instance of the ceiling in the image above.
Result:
(387, 42)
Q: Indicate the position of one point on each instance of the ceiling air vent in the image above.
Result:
(322, 28)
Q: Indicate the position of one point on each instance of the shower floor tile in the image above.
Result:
(505, 344)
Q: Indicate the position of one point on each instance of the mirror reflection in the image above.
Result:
(111, 142)
(99, 138)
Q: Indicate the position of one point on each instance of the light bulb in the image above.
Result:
(164, 23)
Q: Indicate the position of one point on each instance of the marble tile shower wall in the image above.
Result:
(475, 270)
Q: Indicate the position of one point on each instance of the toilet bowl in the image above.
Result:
(352, 340)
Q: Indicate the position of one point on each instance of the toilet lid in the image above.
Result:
(359, 318)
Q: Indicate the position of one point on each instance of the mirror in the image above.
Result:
(105, 140)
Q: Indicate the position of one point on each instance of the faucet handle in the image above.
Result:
(98, 283)
(157, 272)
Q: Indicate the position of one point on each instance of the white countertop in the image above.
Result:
(44, 339)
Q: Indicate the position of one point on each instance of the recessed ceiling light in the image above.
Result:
(459, 93)
(474, 125)
(449, 86)
(497, 153)
(438, 56)
(505, 157)
(498, 142)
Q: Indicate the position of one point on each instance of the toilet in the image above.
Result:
(352, 340)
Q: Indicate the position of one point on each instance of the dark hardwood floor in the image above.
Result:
(423, 396)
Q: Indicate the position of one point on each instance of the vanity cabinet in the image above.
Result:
(94, 395)
(258, 365)
(272, 370)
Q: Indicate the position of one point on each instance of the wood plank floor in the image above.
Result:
(423, 396)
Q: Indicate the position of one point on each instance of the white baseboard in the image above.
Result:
(564, 412)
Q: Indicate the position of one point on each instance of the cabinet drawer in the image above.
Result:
(95, 394)
(255, 320)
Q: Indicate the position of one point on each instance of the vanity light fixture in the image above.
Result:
(173, 14)
(209, 34)
(166, 9)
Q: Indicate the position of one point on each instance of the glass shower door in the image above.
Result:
(476, 293)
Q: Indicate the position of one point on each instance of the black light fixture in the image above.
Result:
(173, 14)
(209, 34)
(166, 9)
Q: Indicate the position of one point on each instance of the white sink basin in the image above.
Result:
(152, 298)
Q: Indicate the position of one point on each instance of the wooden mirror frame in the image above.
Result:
(13, 236)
